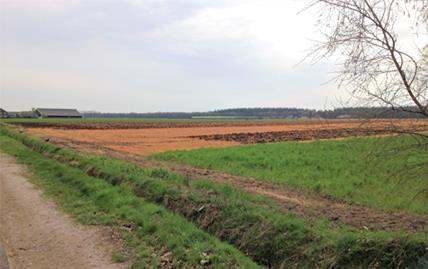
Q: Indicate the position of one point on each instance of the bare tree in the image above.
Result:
(380, 67)
(377, 65)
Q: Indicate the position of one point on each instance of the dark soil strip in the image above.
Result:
(302, 135)
(310, 206)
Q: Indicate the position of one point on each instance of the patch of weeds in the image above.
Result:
(118, 257)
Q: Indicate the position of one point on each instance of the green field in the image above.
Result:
(202, 223)
(351, 169)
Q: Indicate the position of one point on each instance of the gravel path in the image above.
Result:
(36, 234)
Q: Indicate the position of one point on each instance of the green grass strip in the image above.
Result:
(388, 173)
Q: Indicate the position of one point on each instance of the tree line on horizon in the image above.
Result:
(272, 113)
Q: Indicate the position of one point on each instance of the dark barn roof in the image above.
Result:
(57, 113)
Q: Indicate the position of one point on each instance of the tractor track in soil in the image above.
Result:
(307, 205)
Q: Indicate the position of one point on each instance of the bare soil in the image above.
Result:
(303, 135)
(307, 205)
(159, 138)
(4, 264)
(37, 235)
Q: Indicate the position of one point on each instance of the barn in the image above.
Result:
(56, 113)
(3, 113)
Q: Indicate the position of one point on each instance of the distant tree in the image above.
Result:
(376, 66)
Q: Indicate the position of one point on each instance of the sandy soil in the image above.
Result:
(4, 264)
(37, 235)
(145, 141)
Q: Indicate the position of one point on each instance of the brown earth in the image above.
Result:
(307, 205)
(136, 141)
(303, 135)
(37, 235)
(4, 264)
(145, 141)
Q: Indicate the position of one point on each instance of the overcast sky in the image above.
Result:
(165, 55)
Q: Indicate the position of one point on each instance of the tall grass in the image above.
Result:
(363, 170)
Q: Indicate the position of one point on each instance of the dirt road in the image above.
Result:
(36, 234)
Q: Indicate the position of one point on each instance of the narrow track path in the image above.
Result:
(36, 234)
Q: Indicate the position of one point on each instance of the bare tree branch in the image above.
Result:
(375, 65)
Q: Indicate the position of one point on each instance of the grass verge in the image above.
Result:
(150, 230)
(251, 223)
(369, 171)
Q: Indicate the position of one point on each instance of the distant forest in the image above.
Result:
(272, 113)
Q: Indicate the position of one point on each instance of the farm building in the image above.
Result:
(3, 113)
(56, 113)
(10, 114)
(13, 114)
(23, 114)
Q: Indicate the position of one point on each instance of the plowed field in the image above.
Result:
(150, 137)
